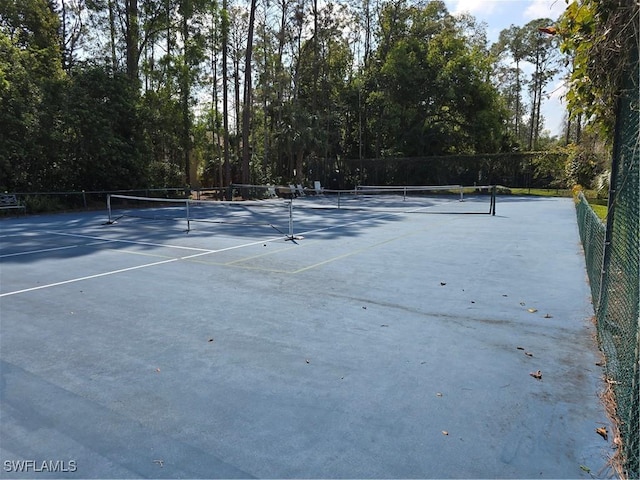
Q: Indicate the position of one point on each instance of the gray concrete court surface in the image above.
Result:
(380, 345)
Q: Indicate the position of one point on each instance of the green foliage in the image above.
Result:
(101, 131)
(515, 46)
(43, 204)
(582, 165)
(134, 116)
(30, 75)
(596, 34)
(428, 88)
(549, 168)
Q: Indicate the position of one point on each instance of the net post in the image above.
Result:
(461, 193)
(492, 208)
(404, 194)
(109, 221)
(291, 219)
(188, 218)
(339, 198)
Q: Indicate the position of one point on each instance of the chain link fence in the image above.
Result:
(613, 267)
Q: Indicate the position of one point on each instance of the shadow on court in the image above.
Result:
(379, 345)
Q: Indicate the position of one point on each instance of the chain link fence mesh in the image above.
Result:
(612, 258)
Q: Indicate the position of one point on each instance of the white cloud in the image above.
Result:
(471, 6)
(544, 9)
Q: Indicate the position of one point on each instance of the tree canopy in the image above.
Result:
(105, 94)
(597, 35)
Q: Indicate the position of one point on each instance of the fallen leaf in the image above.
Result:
(438, 394)
(158, 370)
(600, 363)
(602, 431)
(210, 340)
(520, 348)
(528, 354)
(536, 375)
(159, 462)
(532, 310)
(586, 469)
(364, 308)
(444, 432)
(548, 316)
(522, 303)
(384, 325)
(307, 360)
(443, 283)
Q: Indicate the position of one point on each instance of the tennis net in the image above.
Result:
(445, 199)
(272, 214)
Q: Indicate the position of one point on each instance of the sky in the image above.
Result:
(501, 14)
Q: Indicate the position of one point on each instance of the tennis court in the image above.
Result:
(296, 342)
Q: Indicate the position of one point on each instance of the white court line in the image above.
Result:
(114, 272)
(80, 279)
(29, 252)
(151, 244)
(104, 274)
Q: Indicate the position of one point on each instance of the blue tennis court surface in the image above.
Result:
(377, 343)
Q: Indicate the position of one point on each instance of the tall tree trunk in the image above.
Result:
(132, 39)
(185, 92)
(280, 81)
(236, 90)
(246, 111)
(518, 90)
(112, 33)
(268, 78)
(536, 80)
(536, 132)
(215, 127)
(225, 93)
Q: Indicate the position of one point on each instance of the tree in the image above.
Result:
(73, 30)
(511, 42)
(246, 110)
(30, 79)
(541, 51)
(598, 34)
(428, 90)
(101, 146)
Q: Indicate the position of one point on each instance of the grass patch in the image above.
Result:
(542, 192)
(600, 210)
(599, 205)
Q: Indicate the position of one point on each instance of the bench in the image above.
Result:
(10, 202)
